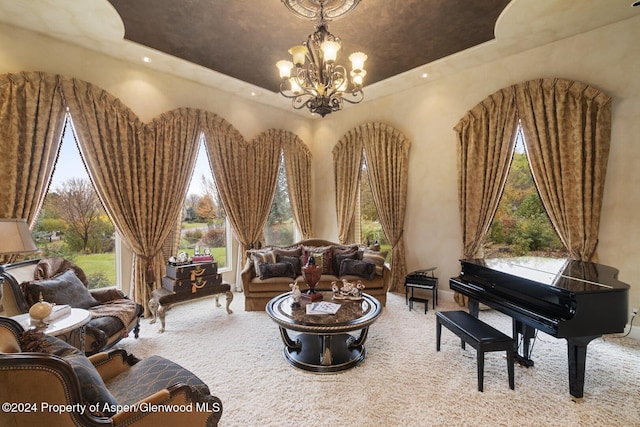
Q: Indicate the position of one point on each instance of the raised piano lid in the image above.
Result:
(563, 273)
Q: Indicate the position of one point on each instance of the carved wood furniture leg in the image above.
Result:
(229, 299)
(290, 343)
(354, 342)
(153, 308)
(162, 312)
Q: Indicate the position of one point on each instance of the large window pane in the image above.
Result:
(521, 225)
(370, 227)
(72, 223)
(281, 229)
(204, 223)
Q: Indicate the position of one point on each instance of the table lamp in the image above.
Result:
(15, 238)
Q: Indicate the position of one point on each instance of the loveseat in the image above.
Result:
(60, 281)
(47, 382)
(269, 271)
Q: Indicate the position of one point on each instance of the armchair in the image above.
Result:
(57, 385)
(114, 315)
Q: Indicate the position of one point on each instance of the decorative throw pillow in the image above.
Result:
(276, 269)
(259, 257)
(290, 251)
(64, 288)
(92, 387)
(356, 267)
(293, 260)
(323, 260)
(376, 257)
(340, 253)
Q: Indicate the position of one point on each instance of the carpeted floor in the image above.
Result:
(402, 382)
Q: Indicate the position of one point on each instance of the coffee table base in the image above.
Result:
(325, 354)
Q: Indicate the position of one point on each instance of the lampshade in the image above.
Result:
(298, 54)
(330, 50)
(15, 237)
(295, 87)
(285, 68)
(357, 61)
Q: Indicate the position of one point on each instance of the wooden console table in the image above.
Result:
(162, 299)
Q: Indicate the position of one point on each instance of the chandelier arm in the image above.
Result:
(301, 104)
(358, 94)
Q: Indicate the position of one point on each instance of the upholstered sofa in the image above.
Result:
(47, 382)
(266, 275)
(62, 282)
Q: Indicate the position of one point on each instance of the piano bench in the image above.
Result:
(479, 335)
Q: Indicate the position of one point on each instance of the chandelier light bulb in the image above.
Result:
(285, 68)
(295, 87)
(357, 61)
(298, 53)
(330, 50)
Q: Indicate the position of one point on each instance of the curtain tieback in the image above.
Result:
(394, 244)
(150, 276)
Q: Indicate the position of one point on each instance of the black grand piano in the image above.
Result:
(575, 300)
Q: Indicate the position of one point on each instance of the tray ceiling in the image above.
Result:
(244, 39)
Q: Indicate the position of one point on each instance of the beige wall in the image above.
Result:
(607, 58)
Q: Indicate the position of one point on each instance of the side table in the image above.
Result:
(70, 328)
(421, 279)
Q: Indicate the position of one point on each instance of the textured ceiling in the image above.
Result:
(244, 39)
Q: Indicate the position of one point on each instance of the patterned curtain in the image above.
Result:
(297, 162)
(32, 116)
(486, 141)
(347, 163)
(141, 172)
(387, 152)
(567, 129)
(245, 174)
(387, 158)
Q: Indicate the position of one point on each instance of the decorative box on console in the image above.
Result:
(191, 277)
(185, 271)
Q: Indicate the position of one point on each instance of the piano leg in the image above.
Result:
(577, 347)
(474, 307)
(523, 334)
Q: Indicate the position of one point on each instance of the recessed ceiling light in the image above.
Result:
(424, 75)
(253, 94)
(146, 59)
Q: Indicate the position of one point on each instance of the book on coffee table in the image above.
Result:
(322, 307)
(58, 311)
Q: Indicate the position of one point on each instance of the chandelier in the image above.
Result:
(313, 79)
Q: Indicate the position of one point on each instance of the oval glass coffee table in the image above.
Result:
(323, 343)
